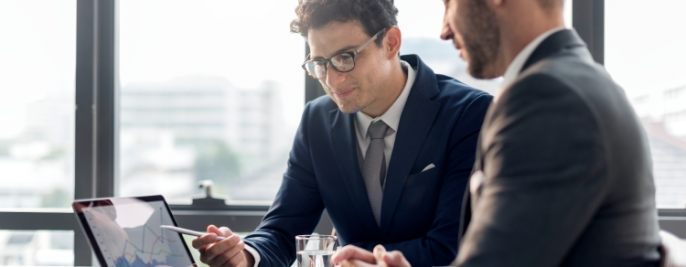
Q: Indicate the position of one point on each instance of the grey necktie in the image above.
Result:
(374, 168)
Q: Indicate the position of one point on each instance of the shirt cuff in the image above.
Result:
(255, 255)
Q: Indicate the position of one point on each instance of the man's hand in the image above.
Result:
(350, 256)
(351, 252)
(229, 252)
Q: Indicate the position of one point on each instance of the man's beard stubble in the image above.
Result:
(481, 40)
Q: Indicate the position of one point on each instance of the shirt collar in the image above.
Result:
(516, 66)
(392, 116)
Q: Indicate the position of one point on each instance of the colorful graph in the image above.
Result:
(132, 258)
(146, 245)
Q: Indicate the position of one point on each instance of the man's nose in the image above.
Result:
(446, 31)
(334, 78)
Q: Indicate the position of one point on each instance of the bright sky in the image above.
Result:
(645, 44)
(162, 39)
(424, 18)
(37, 56)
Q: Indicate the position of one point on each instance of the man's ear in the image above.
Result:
(393, 41)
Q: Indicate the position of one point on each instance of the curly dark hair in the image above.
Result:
(374, 15)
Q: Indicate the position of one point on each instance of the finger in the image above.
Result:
(225, 231)
(345, 263)
(379, 252)
(221, 248)
(395, 259)
(233, 252)
(213, 229)
(204, 240)
(238, 257)
(356, 263)
(218, 260)
(352, 252)
(205, 254)
(232, 257)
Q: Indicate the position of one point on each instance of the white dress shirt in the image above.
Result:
(255, 255)
(362, 123)
(391, 117)
(517, 64)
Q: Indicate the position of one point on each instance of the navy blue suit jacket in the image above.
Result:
(420, 214)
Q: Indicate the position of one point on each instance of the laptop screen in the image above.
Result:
(126, 232)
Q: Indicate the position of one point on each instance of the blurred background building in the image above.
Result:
(663, 115)
(203, 97)
(198, 128)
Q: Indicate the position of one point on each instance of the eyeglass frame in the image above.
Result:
(351, 53)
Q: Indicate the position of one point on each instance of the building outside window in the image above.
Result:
(214, 96)
(37, 69)
(646, 57)
(209, 91)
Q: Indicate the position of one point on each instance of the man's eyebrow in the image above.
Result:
(337, 52)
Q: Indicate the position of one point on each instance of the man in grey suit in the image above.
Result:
(563, 175)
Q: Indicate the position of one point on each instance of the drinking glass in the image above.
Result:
(315, 250)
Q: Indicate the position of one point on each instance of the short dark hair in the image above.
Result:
(374, 15)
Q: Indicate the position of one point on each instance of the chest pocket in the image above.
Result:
(424, 178)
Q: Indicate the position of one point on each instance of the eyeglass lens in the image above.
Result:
(342, 62)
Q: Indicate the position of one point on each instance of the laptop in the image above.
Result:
(125, 232)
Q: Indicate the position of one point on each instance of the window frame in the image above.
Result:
(96, 129)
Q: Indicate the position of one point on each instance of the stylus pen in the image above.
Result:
(187, 231)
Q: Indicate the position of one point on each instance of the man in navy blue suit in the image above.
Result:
(388, 152)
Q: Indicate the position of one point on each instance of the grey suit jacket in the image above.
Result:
(567, 176)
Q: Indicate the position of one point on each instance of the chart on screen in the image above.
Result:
(144, 245)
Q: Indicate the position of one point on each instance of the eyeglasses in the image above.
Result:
(343, 62)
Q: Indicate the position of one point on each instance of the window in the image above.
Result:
(37, 118)
(37, 114)
(646, 57)
(216, 95)
(420, 23)
(37, 248)
(197, 83)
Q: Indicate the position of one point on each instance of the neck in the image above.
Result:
(394, 87)
(517, 33)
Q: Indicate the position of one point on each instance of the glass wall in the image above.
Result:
(420, 23)
(228, 110)
(208, 91)
(36, 248)
(644, 52)
(213, 90)
(37, 66)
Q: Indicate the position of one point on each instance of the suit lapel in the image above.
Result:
(415, 123)
(344, 144)
(466, 212)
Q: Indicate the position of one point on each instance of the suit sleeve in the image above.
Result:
(297, 208)
(543, 177)
(439, 246)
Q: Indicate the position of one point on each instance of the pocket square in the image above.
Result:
(429, 167)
